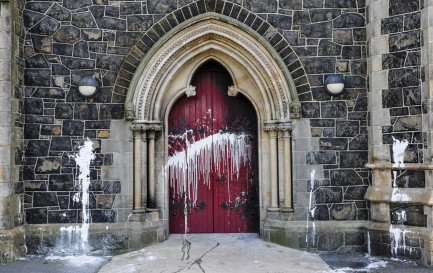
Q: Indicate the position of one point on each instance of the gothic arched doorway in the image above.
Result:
(212, 161)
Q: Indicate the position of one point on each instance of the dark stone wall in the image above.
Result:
(107, 39)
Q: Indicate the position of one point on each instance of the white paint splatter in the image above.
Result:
(399, 196)
(151, 258)
(228, 150)
(398, 149)
(394, 180)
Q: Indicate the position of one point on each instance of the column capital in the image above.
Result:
(146, 126)
(277, 125)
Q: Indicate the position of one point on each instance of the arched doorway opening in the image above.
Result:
(212, 162)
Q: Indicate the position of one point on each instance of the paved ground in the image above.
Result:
(216, 253)
(55, 264)
(226, 253)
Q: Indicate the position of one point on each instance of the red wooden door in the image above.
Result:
(212, 164)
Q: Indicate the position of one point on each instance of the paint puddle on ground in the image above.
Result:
(359, 263)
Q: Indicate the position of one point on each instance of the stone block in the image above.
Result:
(333, 143)
(392, 24)
(405, 40)
(347, 128)
(410, 123)
(345, 178)
(408, 215)
(334, 109)
(343, 211)
(349, 20)
(280, 21)
(404, 77)
(331, 241)
(111, 111)
(67, 34)
(328, 195)
(403, 6)
(353, 159)
(36, 216)
(59, 13)
(37, 77)
(62, 217)
(72, 128)
(103, 216)
(37, 148)
(323, 157)
(164, 6)
(111, 23)
(359, 142)
(355, 193)
(48, 165)
(317, 30)
(322, 15)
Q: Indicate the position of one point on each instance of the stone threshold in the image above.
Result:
(407, 166)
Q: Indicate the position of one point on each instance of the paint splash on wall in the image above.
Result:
(398, 149)
(74, 239)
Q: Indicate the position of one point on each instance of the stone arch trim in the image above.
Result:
(197, 11)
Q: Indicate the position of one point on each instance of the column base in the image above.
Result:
(151, 209)
(272, 209)
(287, 210)
(138, 210)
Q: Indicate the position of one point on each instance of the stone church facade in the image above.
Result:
(328, 172)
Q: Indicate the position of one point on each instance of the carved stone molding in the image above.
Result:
(233, 91)
(189, 91)
(277, 126)
(143, 127)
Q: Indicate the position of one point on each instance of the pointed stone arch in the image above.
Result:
(262, 32)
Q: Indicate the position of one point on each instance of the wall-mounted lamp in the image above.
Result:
(87, 87)
(334, 84)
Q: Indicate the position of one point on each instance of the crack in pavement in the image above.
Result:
(198, 261)
(186, 246)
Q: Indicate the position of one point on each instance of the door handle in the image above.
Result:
(220, 178)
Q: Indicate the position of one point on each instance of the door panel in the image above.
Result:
(212, 165)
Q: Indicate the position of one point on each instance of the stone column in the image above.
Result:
(138, 138)
(151, 171)
(286, 128)
(271, 128)
(152, 127)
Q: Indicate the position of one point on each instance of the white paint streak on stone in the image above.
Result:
(83, 160)
(396, 235)
(398, 149)
(368, 243)
(310, 211)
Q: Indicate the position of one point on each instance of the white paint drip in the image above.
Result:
(368, 244)
(398, 149)
(397, 234)
(310, 211)
(228, 150)
(73, 239)
(394, 180)
(83, 160)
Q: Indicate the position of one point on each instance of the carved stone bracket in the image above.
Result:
(189, 91)
(295, 110)
(233, 91)
(129, 111)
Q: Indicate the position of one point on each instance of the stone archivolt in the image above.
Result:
(221, 37)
